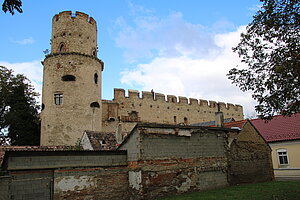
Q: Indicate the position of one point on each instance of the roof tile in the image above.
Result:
(280, 128)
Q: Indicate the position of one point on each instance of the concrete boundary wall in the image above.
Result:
(64, 175)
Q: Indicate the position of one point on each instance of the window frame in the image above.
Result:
(58, 98)
(282, 153)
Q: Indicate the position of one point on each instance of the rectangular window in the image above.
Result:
(282, 157)
(58, 99)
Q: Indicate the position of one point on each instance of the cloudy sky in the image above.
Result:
(171, 46)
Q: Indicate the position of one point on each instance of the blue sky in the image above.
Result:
(171, 46)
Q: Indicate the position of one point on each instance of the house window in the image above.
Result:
(58, 99)
(282, 157)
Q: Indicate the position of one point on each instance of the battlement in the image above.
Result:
(119, 95)
(77, 15)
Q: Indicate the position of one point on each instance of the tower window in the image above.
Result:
(62, 48)
(95, 105)
(175, 120)
(96, 78)
(58, 99)
(68, 78)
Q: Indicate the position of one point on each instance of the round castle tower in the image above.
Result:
(72, 81)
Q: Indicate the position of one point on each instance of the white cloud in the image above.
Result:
(25, 41)
(152, 36)
(184, 59)
(32, 70)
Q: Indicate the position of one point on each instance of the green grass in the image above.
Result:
(277, 190)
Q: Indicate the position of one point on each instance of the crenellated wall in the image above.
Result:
(159, 108)
(76, 31)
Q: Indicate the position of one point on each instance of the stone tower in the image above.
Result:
(71, 99)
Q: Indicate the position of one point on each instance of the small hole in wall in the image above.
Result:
(177, 108)
(185, 120)
(102, 142)
(150, 106)
(68, 78)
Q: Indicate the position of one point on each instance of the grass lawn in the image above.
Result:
(277, 190)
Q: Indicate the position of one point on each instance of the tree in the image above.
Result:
(18, 109)
(271, 49)
(11, 6)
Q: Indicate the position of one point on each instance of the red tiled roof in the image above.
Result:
(280, 128)
(238, 124)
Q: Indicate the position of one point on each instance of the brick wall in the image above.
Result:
(98, 183)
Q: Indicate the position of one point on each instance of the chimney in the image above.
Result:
(219, 121)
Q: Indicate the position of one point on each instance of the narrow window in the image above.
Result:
(282, 157)
(94, 52)
(96, 78)
(62, 48)
(58, 99)
(175, 120)
(95, 105)
(68, 78)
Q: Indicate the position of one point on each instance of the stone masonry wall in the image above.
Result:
(249, 157)
(72, 73)
(158, 108)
